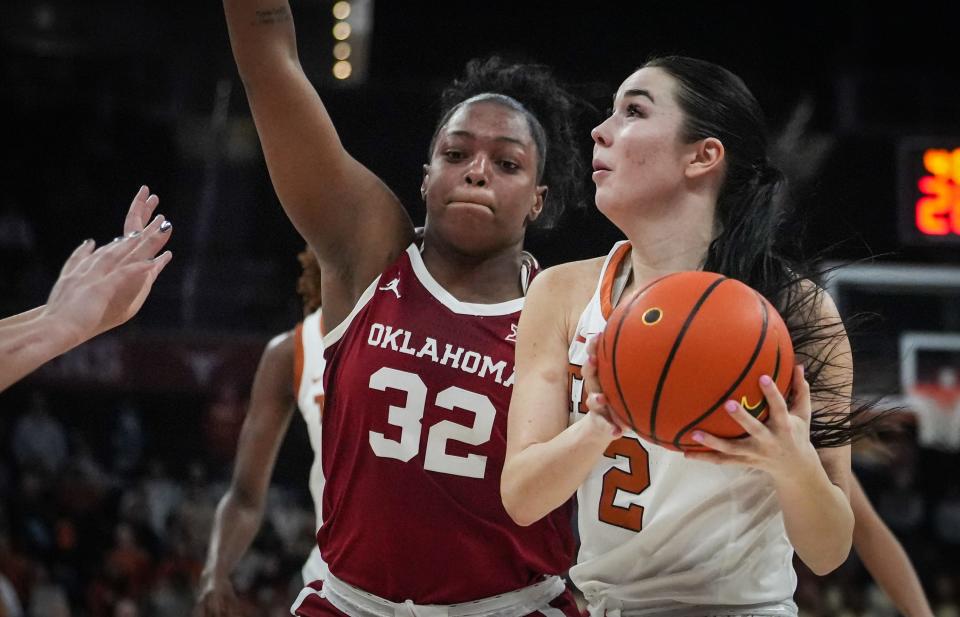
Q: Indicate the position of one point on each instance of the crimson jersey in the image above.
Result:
(413, 442)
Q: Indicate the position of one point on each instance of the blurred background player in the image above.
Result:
(290, 374)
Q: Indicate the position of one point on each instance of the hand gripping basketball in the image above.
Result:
(781, 446)
(601, 416)
(675, 351)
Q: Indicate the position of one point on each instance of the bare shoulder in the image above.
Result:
(817, 305)
(281, 347)
(569, 281)
(275, 374)
(565, 289)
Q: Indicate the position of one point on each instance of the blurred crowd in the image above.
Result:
(101, 518)
(117, 530)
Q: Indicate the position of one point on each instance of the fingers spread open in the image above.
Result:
(141, 209)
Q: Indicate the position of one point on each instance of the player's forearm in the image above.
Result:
(21, 317)
(888, 564)
(543, 476)
(261, 36)
(27, 344)
(234, 528)
(817, 516)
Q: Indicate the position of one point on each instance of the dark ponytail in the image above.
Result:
(750, 243)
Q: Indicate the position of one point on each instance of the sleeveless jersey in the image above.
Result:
(308, 381)
(663, 535)
(414, 437)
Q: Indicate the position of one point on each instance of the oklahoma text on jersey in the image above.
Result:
(468, 361)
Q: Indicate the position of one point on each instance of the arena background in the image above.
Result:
(107, 492)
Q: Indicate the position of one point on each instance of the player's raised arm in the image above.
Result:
(354, 223)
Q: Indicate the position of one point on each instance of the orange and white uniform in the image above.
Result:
(308, 383)
(663, 535)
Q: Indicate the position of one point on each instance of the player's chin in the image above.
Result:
(472, 235)
(611, 205)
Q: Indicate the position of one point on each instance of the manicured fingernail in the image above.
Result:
(133, 234)
(730, 406)
(165, 226)
(765, 380)
(118, 238)
(697, 436)
(87, 241)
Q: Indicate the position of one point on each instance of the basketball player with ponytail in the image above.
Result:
(681, 168)
(419, 341)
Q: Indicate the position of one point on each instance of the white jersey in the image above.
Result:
(663, 535)
(308, 380)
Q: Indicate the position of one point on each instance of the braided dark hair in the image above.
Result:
(749, 242)
(551, 112)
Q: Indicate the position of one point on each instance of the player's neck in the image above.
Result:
(668, 242)
(490, 279)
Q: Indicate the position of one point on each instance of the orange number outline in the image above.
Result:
(635, 482)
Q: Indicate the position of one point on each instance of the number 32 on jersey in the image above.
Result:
(409, 418)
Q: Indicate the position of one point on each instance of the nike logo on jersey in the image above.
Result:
(392, 286)
(512, 337)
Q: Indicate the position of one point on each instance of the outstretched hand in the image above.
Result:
(101, 288)
(141, 209)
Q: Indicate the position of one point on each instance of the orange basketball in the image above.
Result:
(678, 349)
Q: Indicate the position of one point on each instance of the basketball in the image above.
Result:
(673, 353)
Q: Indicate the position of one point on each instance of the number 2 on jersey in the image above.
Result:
(634, 482)
(410, 416)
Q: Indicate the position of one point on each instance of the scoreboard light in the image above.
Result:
(929, 208)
